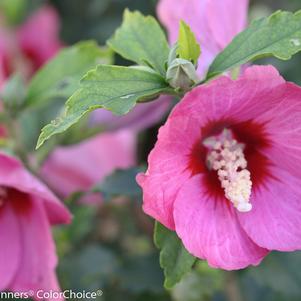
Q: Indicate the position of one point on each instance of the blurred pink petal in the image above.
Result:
(10, 248)
(6, 54)
(15, 176)
(79, 167)
(226, 19)
(214, 23)
(39, 36)
(38, 258)
(27, 211)
(144, 115)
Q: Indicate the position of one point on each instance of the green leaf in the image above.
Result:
(174, 258)
(114, 88)
(121, 182)
(61, 76)
(140, 39)
(278, 35)
(13, 10)
(201, 284)
(188, 47)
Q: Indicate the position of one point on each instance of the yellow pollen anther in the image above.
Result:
(226, 156)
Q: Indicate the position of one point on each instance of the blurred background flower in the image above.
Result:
(80, 167)
(27, 211)
(211, 21)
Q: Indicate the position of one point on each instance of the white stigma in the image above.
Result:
(227, 158)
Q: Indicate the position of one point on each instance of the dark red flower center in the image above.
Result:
(255, 140)
(20, 201)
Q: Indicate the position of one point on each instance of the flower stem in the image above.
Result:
(232, 290)
(13, 130)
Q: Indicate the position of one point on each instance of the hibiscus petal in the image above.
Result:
(37, 271)
(210, 230)
(283, 127)
(193, 12)
(226, 19)
(39, 36)
(141, 117)
(212, 22)
(168, 168)
(7, 50)
(80, 166)
(275, 219)
(170, 12)
(14, 175)
(10, 251)
(255, 93)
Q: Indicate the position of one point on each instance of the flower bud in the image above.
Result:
(181, 74)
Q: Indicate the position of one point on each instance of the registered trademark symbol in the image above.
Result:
(99, 293)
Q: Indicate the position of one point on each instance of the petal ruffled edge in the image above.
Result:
(13, 174)
(275, 219)
(210, 230)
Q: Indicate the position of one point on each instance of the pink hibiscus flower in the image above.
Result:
(79, 167)
(215, 23)
(38, 37)
(35, 42)
(225, 173)
(27, 211)
(6, 55)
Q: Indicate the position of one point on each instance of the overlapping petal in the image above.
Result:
(257, 91)
(14, 175)
(275, 219)
(167, 170)
(209, 228)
